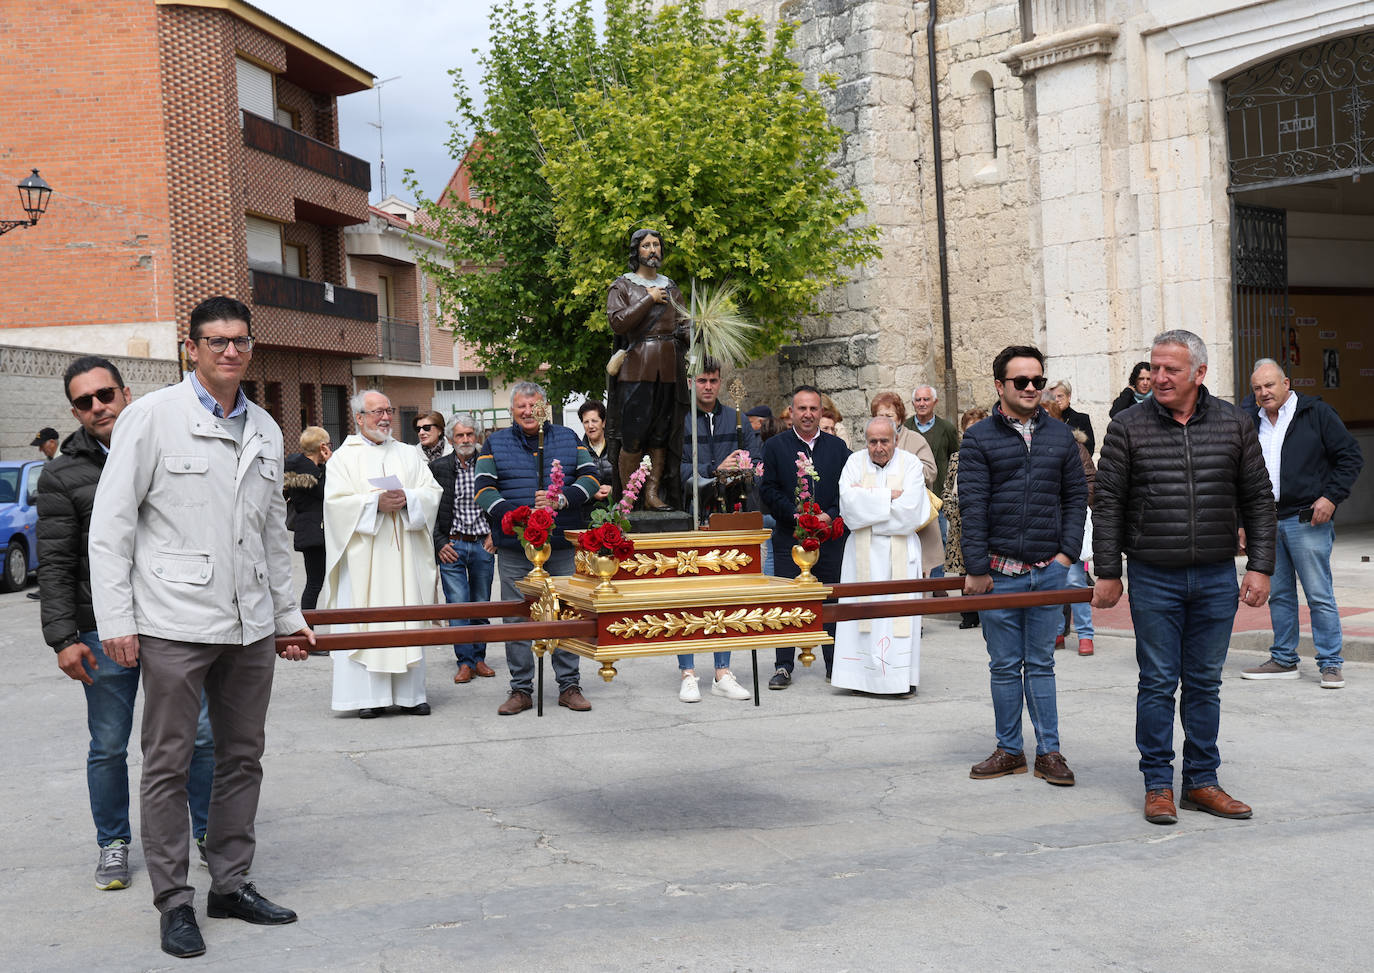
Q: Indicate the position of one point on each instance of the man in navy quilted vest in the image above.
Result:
(512, 471)
(1022, 499)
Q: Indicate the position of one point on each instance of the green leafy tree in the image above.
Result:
(696, 126)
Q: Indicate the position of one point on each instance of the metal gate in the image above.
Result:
(1259, 287)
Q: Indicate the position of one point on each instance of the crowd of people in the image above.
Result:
(163, 556)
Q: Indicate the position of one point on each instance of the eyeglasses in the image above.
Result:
(378, 413)
(425, 427)
(1021, 381)
(219, 344)
(105, 395)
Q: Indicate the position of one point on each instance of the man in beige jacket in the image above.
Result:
(191, 576)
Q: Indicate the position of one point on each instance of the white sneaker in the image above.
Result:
(729, 687)
(690, 692)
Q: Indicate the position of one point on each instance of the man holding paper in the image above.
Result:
(380, 503)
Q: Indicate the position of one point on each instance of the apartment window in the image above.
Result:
(273, 402)
(255, 89)
(264, 244)
(307, 406)
(288, 119)
(334, 400)
(294, 255)
(383, 296)
(468, 383)
(250, 389)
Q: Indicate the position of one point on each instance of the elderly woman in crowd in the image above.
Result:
(303, 482)
(889, 405)
(592, 415)
(954, 552)
(433, 444)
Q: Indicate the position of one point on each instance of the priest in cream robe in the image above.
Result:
(380, 501)
(884, 502)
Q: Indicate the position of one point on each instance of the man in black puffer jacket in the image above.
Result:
(66, 493)
(1022, 502)
(1179, 475)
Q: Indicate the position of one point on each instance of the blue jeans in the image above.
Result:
(110, 719)
(939, 570)
(1304, 554)
(768, 524)
(1082, 611)
(687, 661)
(468, 579)
(1020, 645)
(512, 566)
(1183, 619)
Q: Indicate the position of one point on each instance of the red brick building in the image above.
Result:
(193, 150)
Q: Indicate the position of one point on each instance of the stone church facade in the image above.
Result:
(1110, 169)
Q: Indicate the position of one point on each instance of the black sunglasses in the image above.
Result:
(425, 427)
(1021, 381)
(105, 395)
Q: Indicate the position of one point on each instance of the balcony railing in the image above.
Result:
(399, 339)
(285, 143)
(312, 296)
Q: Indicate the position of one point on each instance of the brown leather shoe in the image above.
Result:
(1214, 800)
(516, 702)
(1000, 764)
(1051, 767)
(573, 699)
(484, 670)
(464, 674)
(1159, 806)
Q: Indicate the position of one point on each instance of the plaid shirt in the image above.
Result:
(467, 516)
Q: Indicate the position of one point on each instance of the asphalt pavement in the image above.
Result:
(818, 831)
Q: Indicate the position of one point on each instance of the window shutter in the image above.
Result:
(264, 244)
(255, 89)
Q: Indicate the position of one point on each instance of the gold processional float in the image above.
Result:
(683, 592)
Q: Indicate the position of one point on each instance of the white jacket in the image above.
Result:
(188, 532)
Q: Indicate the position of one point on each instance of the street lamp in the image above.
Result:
(33, 196)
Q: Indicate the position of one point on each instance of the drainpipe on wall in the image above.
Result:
(951, 390)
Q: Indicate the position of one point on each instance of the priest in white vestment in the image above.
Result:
(884, 502)
(380, 501)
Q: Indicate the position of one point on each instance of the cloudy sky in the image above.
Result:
(419, 40)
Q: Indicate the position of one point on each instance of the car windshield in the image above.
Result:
(9, 486)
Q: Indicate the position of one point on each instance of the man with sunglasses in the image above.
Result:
(191, 579)
(66, 493)
(1022, 500)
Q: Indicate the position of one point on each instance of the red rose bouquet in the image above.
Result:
(529, 525)
(811, 532)
(606, 541)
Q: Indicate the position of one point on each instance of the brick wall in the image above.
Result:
(89, 117)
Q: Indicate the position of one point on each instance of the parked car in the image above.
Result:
(18, 521)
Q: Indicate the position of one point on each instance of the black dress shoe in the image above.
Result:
(247, 904)
(419, 709)
(180, 934)
(368, 713)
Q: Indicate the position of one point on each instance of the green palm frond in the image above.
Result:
(720, 330)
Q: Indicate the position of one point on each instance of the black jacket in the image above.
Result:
(1122, 402)
(66, 493)
(304, 484)
(1080, 421)
(778, 492)
(1027, 504)
(1175, 495)
(1319, 457)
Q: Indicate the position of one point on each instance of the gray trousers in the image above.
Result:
(237, 680)
(512, 566)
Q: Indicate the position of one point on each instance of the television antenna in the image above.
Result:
(381, 146)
